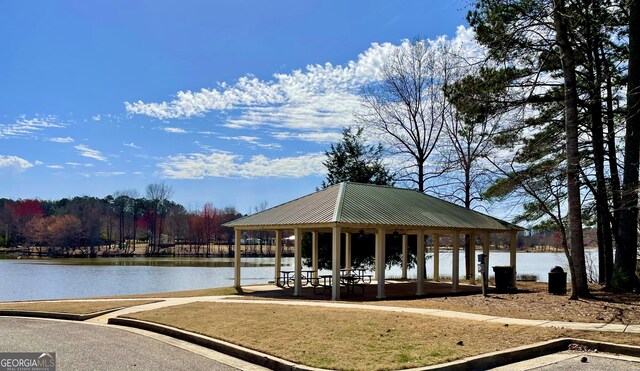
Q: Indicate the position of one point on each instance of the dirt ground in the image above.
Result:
(534, 302)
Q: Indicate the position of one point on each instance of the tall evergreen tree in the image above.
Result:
(555, 59)
(354, 161)
(627, 253)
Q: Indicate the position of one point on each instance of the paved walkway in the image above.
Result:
(168, 302)
(101, 351)
(83, 346)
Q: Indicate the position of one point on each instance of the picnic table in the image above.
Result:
(347, 280)
(359, 273)
(288, 279)
(327, 280)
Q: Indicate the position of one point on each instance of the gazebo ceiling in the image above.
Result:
(355, 204)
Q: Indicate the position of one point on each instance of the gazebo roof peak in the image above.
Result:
(351, 204)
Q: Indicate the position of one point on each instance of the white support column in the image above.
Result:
(420, 262)
(314, 253)
(376, 258)
(297, 258)
(380, 261)
(472, 258)
(405, 253)
(486, 240)
(347, 251)
(436, 257)
(335, 264)
(513, 244)
(278, 256)
(455, 269)
(236, 257)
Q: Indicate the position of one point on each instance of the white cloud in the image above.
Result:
(248, 91)
(108, 173)
(14, 162)
(96, 118)
(132, 145)
(175, 130)
(55, 166)
(85, 151)
(316, 136)
(321, 97)
(243, 138)
(254, 141)
(62, 140)
(228, 165)
(26, 128)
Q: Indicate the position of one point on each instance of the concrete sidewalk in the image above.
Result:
(550, 362)
(168, 302)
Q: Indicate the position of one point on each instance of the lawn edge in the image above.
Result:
(481, 361)
(56, 315)
(245, 354)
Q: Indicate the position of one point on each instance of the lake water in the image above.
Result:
(28, 279)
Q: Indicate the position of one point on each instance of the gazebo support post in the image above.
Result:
(347, 251)
(485, 250)
(236, 257)
(297, 258)
(420, 262)
(278, 257)
(314, 253)
(513, 244)
(486, 241)
(376, 276)
(455, 269)
(436, 257)
(380, 261)
(335, 264)
(472, 258)
(405, 252)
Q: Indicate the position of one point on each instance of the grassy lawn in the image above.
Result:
(73, 307)
(605, 307)
(354, 339)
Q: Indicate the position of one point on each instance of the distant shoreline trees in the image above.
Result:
(82, 225)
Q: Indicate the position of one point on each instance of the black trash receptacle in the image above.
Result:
(557, 281)
(505, 277)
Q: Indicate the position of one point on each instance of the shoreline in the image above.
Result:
(20, 254)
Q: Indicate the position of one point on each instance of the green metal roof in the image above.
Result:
(356, 204)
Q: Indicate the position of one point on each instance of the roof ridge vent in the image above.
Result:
(337, 211)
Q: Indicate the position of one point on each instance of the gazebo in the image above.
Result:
(356, 208)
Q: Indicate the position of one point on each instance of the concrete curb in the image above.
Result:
(56, 315)
(523, 353)
(482, 361)
(627, 350)
(245, 354)
(503, 357)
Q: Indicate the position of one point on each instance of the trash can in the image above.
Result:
(505, 277)
(557, 281)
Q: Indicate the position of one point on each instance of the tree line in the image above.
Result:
(84, 225)
(546, 115)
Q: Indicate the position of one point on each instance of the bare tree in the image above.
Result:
(407, 104)
(158, 194)
(470, 128)
(262, 235)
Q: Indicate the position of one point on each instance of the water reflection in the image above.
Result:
(28, 279)
(153, 262)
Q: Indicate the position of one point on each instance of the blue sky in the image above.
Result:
(231, 102)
